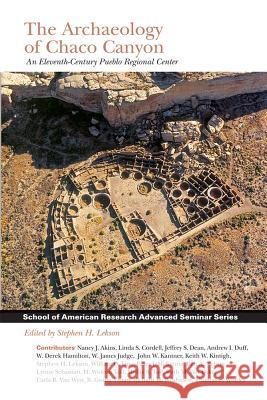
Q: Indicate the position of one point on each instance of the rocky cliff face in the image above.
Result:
(123, 97)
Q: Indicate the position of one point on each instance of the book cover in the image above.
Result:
(133, 200)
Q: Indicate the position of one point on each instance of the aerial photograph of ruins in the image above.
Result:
(134, 190)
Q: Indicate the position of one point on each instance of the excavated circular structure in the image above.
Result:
(73, 210)
(202, 201)
(191, 193)
(86, 200)
(186, 201)
(176, 193)
(136, 228)
(125, 174)
(191, 209)
(184, 186)
(158, 185)
(138, 176)
(101, 201)
(175, 177)
(122, 209)
(168, 185)
(144, 188)
(214, 193)
(101, 184)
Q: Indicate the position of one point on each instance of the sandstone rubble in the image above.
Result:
(123, 97)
